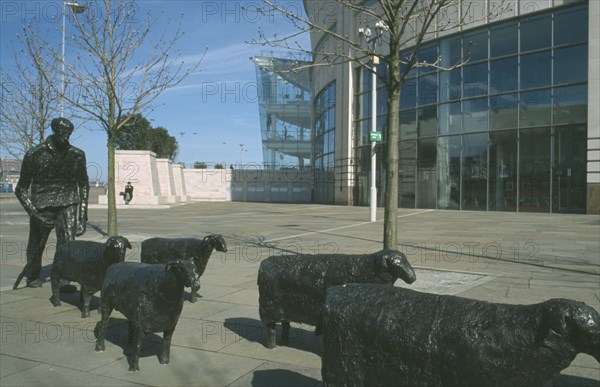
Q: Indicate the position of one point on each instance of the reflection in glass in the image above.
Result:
(448, 165)
(475, 115)
(571, 25)
(570, 104)
(534, 108)
(474, 171)
(475, 46)
(408, 124)
(407, 173)
(534, 170)
(536, 32)
(535, 70)
(426, 180)
(570, 64)
(450, 85)
(408, 94)
(475, 82)
(503, 111)
(428, 89)
(427, 124)
(503, 75)
(450, 118)
(503, 39)
(503, 171)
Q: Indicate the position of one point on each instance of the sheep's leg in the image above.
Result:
(136, 337)
(106, 311)
(285, 332)
(271, 343)
(55, 283)
(166, 349)
(86, 297)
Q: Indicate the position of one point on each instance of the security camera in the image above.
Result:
(364, 32)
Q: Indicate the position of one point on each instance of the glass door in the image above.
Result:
(569, 172)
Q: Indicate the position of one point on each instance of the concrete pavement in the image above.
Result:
(501, 257)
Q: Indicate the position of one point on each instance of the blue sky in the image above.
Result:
(218, 103)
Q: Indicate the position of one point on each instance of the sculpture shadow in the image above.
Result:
(117, 333)
(254, 331)
(278, 377)
(98, 229)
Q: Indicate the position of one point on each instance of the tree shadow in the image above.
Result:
(279, 377)
(302, 337)
(98, 229)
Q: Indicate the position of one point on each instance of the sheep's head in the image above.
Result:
(216, 241)
(119, 244)
(576, 323)
(185, 272)
(398, 266)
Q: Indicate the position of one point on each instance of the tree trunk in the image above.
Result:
(112, 203)
(390, 223)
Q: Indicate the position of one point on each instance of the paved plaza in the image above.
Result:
(518, 258)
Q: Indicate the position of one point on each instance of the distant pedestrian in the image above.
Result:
(128, 192)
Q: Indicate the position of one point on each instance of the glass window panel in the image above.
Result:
(405, 56)
(475, 46)
(426, 180)
(450, 85)
(536, 70)
(331, 119)
(475, 80)
(448, 166)
(503, 75)
(474, 172)
(381, 98)
(534, 170)
(536, 32)
(571, 64)
(475, 115)
(408, 94)
(450, 120)
(408, 124)
(534, 108)
(407, 173)
(428, 89)
(571, 25)
(503, 40)
(427, 54)
(366, 105)
(503, 111)
(503, 171)
(450, 51)
(366, 80)
(427, 123)
(570, 104)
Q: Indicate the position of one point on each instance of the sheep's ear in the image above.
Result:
(128, 245)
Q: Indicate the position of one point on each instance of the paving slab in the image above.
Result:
(494, 256)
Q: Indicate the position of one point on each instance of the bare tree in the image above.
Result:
(395, 26)
(125, 61)
(28, 105)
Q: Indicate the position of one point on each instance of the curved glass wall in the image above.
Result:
(285, 113)
(506, 131)
(324, 144)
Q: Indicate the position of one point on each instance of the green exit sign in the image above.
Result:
(375, 136)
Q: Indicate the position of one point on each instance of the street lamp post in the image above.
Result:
(372, 40)
(76, 9)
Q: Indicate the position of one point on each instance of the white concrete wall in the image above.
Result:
(208, 184)
(164, 168)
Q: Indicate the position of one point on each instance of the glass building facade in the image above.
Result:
(507, 131)
(285, 113)
(324, 144)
